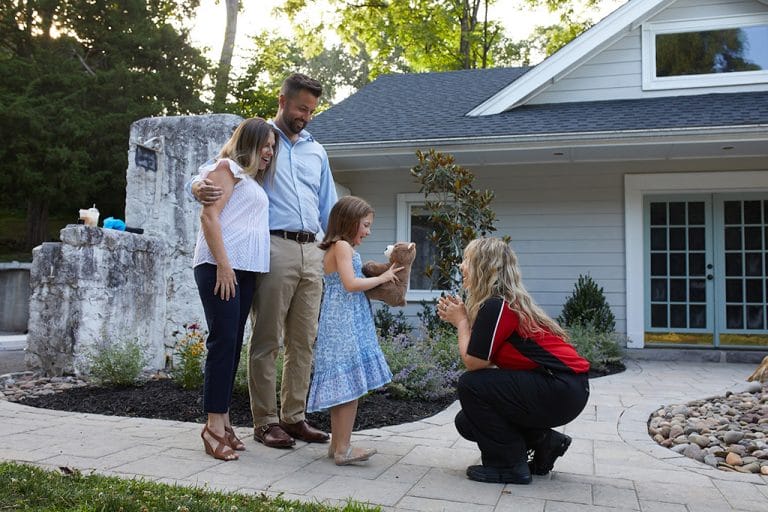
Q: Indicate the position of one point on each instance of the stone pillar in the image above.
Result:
(164, 153)
(95, 285)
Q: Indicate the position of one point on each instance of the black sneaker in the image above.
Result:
(551, 447)
(517, 474)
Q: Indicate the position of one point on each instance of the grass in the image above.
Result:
(25, 487)
(13, 227)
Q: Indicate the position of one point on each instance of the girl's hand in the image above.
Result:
(391, 273)
(452, 310)
(225, 282)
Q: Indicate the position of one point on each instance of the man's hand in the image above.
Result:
(206, 192)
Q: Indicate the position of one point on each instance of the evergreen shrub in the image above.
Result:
(587, 306)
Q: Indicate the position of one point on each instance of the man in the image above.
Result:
(287, 301)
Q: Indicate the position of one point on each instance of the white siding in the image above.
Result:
(563, 221)
(615, 72)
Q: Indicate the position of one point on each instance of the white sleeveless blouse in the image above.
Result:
(244, 224)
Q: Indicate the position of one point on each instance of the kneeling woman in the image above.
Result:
(524, 377)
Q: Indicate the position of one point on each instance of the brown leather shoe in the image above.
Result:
(273, 435)
(306, 432)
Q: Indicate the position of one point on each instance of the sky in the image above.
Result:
(208, 28)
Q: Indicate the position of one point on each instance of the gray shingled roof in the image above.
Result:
(422, 106)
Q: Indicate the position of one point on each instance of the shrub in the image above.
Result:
(114, 363)
(389, 324)
(241, 374)
(433, 326)
(423, 369)
(600, 348)
(189, 357)
(587, 306)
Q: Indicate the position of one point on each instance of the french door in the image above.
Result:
(706, 270)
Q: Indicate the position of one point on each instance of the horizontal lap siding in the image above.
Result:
(616, 71)
(563, 222)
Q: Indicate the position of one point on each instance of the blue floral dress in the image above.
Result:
(348, 359)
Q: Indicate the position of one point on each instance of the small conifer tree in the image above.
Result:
(587, 306)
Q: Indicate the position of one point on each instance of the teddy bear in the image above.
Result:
(392, 293)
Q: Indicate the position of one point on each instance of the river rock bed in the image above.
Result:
(726, 432)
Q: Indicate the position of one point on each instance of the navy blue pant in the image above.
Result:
(507, 411)
(226, 323)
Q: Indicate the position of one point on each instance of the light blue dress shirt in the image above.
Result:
(302, 192)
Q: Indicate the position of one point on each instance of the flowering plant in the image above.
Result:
(189, 356)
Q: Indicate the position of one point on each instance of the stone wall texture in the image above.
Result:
(100, 284)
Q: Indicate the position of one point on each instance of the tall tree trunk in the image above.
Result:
(468, 23)
(37, 223)
(225, 61)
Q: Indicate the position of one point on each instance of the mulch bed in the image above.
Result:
(163, 399)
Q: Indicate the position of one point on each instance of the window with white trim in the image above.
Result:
(413, 226)
(705, 53)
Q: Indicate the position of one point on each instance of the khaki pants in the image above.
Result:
(286, 306)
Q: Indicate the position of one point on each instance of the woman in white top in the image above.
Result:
(232, 246)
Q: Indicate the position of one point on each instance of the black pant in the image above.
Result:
(506, 411)
(226, 323)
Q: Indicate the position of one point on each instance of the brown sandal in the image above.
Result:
(223, 450)
(234, 442)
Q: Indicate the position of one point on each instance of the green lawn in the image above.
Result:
(30, 488)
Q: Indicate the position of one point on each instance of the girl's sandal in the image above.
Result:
(234, 442)
(223, 450)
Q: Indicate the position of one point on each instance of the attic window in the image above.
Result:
(706, 53)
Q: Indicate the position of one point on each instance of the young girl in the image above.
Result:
(232, 246)
(348, 359)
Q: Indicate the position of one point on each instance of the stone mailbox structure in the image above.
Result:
(98, 285)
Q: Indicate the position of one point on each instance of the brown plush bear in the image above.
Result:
(392, 293)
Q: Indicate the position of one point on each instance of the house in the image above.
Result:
(636, 154)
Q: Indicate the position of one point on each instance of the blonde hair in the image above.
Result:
(344, 220)
(494, 272)
(245, 145)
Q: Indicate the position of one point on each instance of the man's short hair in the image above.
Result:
(297, 82)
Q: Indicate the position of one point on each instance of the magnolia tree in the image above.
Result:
(457, 212)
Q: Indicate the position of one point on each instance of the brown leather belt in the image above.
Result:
(301, 237)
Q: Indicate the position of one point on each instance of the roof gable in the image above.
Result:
(607, 31)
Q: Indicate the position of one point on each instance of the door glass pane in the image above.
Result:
(752, 212)
(696, 264)
(733, 265)
(696, 239)
(732, 212)
(677, 290)
(659, 264)
(677, 264)
(753, 264)
(677, 239)
(697, 290)
(732, 239)
(658, 239)
(658, 214)
(698, 316)
(677, 213)
(754, 290)
(734, 317)
(658, 289)
(734, 292)
(677, 316)
(755, 317)
(696, 213)
(753, 238)
(659, 315)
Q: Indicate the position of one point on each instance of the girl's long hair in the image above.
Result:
(245, 145)
(344, 220)
(494, 272)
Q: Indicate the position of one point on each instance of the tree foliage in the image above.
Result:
(588, 307)
(457, 212)
(73, 76)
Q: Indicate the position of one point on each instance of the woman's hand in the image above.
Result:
(452, 310)
(225, 282)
